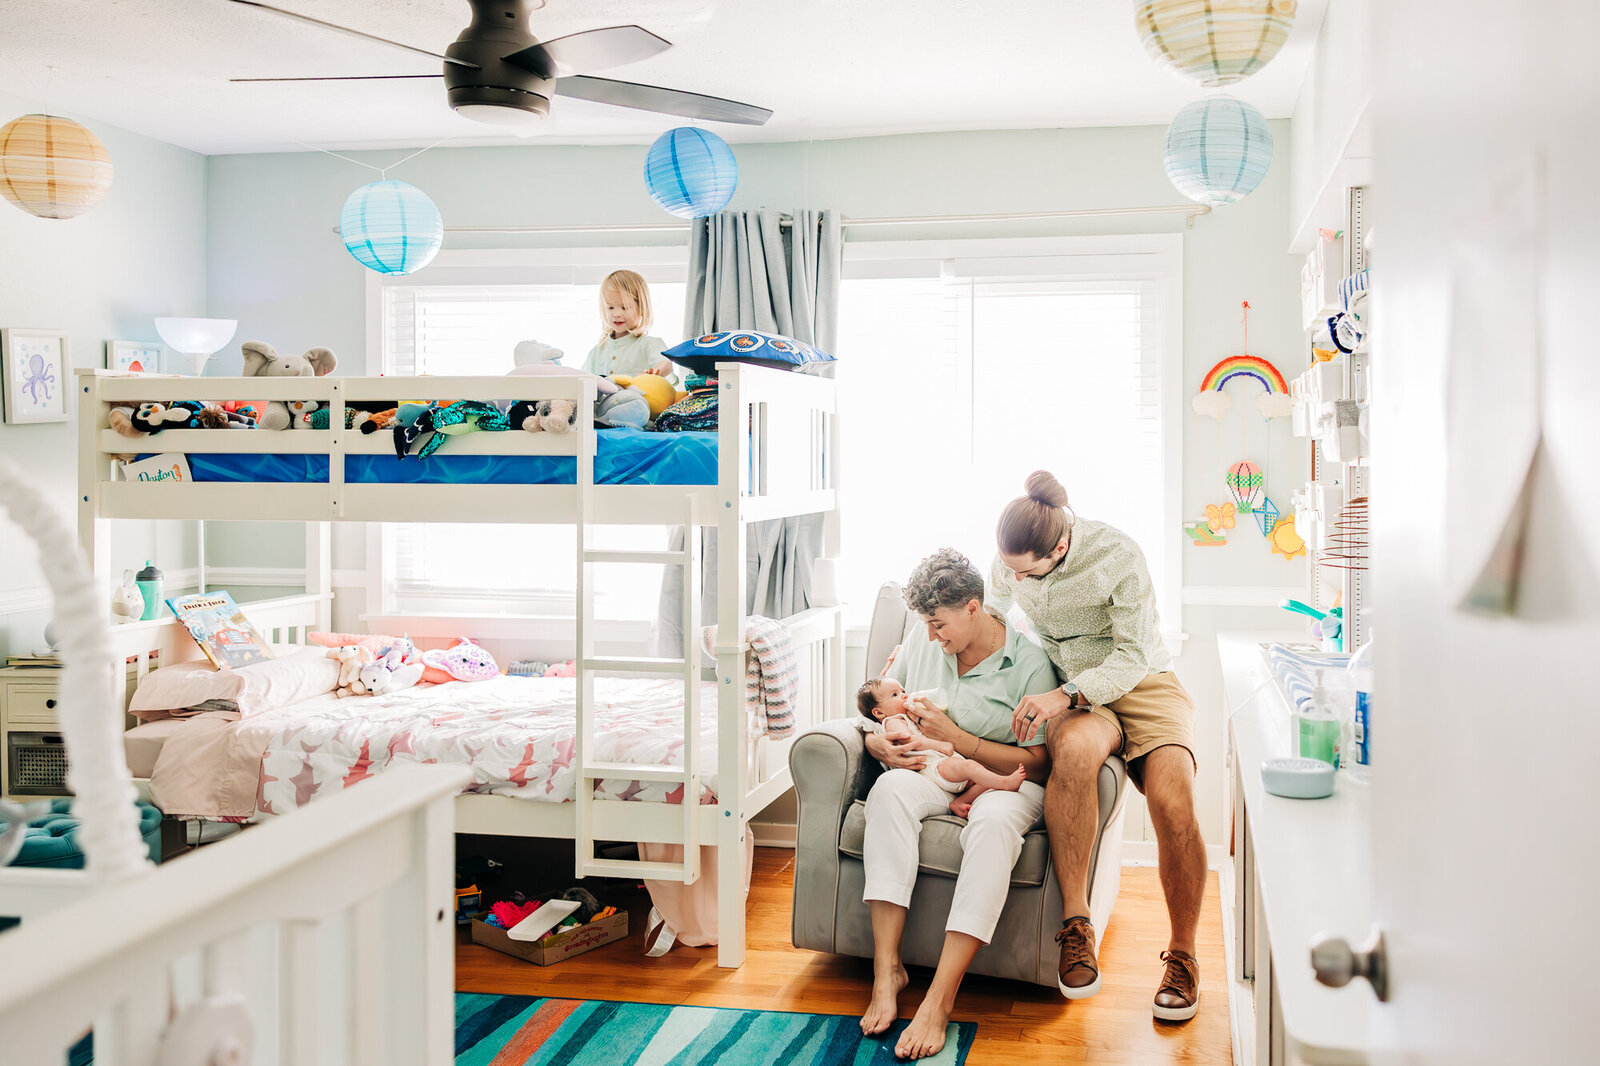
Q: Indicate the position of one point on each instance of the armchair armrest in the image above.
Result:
(827, 766)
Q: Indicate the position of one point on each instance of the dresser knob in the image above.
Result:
(49, 705)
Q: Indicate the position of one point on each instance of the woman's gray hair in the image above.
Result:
(944, 579)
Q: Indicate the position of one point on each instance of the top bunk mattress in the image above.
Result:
(623, 456)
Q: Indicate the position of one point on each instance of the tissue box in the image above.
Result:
(555, 948)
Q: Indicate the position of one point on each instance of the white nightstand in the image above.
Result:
(33, 760)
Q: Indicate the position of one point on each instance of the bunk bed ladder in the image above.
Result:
(591, 771)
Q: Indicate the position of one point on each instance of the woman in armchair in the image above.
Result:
(985, 668)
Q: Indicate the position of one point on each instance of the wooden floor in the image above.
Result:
(1017, 1023)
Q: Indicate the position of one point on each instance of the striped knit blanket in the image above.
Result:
(771, 679)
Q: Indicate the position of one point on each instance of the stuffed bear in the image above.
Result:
(300, 412)
(261, 360)
(351, 658)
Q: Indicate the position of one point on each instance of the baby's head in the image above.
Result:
(881, 698)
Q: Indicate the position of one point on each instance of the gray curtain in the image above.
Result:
(748, 271)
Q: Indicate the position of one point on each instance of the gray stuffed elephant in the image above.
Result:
(261, 360)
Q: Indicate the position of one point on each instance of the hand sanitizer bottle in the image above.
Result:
(1319, 727)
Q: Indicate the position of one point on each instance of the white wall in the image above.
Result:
(102, 276)
(1331, 143)
(276, 265)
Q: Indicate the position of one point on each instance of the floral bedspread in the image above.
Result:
(516, 733)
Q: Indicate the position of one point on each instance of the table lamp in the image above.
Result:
(196, 339)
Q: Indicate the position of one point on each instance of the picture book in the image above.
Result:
(221, 629)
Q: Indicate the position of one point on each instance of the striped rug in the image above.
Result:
(518, 1030)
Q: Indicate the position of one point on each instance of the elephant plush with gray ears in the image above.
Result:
(261, 360)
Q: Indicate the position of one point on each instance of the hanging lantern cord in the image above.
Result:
(1245, 318)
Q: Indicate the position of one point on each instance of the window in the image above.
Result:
(465, 315)
(967, 365)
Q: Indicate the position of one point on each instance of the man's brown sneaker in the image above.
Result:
(1179, 995)
(1078, 975)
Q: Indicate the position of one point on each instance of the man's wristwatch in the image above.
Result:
(1071, 692)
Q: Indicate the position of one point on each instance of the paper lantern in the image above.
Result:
(391, 227)
(691, 172)
(52, 167)
(1218, 150)
(1215, 42)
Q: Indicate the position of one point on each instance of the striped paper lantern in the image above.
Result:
(1218, 150)
(53, 167)
(1215, 42)
(691, 172)
(391, 227)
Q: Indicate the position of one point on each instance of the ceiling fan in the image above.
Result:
(497, 72)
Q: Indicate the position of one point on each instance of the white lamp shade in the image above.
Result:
(53, 167)
(197, 338)
(1215, 42)
(1218, 150)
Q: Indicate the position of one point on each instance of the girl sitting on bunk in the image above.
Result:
(884, 701)
(625, 348)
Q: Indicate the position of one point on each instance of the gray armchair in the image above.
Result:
(832, 774)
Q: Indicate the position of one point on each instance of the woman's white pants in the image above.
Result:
(990, 844)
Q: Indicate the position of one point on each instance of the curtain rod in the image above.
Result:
(1189, 211)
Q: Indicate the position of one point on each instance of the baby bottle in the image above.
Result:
(127, 602)
(150, 581)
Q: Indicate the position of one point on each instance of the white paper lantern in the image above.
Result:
(1218, 150)
(1215, 42)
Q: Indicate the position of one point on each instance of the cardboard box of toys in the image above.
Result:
(556, 946)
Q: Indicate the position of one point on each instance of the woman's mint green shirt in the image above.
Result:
(983, 701)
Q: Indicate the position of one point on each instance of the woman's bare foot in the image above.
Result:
(925, 1035)
(884, 1007)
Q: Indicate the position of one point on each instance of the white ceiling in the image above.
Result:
(827, 68)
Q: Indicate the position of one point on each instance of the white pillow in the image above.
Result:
(297, 674)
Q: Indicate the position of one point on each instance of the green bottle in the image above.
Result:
(1319, 727)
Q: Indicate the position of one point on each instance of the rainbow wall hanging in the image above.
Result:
(1213, 401)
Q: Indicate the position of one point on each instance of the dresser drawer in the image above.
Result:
(31, 704)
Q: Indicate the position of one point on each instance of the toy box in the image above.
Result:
(555, 948)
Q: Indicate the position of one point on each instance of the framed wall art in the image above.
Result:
(36, 372)
(138, 357)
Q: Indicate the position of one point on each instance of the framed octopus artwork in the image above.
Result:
(36, 372)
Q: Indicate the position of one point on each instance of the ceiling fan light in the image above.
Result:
(523, 123)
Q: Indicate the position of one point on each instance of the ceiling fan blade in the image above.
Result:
(662, 100)
(353, 33)
(590, 50)
(345, 77)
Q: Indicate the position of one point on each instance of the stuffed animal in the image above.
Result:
(300, 412)
(351, 658)
(261, 360)
(381, 678)
(625, 407)
(466, 661)
(378, 420)
(658, 391)
(535, 359)
(150, 418)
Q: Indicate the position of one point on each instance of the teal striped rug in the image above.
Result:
(530, 1031)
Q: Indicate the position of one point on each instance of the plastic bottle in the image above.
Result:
(1360, 671)
(1319, 726)
(150, 586)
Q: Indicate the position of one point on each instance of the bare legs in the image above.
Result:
(888, 974)
(925, 1035)
(1181, 851)
(1079, 744)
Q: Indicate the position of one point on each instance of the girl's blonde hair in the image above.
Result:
(1034, 524)
(629, 283)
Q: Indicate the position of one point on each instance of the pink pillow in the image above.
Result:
(373, 642)
(297, 674)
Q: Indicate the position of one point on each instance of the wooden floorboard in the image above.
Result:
(1017, 1023)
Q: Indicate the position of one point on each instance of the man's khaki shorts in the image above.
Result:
(1156, 713)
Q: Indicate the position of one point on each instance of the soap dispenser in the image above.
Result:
(1319, 727)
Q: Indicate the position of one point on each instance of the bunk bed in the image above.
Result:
(775, 456)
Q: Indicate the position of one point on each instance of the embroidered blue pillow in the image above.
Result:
(702, 354)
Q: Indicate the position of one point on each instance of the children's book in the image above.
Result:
(221, 629)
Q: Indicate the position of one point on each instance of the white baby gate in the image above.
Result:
(326, 936)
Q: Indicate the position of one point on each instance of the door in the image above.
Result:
(1486, 781)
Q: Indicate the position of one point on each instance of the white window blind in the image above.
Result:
(962, 375)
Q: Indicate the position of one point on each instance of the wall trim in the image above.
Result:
(20, 601)
(773, 835)
(289, 576)
(1143, 853)
(1240, 595)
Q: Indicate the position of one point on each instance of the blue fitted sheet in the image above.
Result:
(623, 457)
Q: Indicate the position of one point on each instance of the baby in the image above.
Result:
(884, 701)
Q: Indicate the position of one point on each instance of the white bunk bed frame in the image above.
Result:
(778, 446)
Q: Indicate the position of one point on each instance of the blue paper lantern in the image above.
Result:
(691, 172)
(391, 227)
(1218, 150)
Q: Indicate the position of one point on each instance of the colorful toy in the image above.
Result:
(1213, 402)
(465, 661)
(396, 667)
(1244, 480)
(262, 360)
(1285, 541)
(1328, 626)
(351, 658)
(658, 391)
(1201, 535)
(148, 418)
(1219, 517)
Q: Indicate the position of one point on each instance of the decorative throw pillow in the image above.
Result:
(703, 353)
(298, 674)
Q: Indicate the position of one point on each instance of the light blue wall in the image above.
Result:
(277, 266)
(102, 276)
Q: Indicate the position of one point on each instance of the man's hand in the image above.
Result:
(934, 723)
(899, 753)
(1034, 711)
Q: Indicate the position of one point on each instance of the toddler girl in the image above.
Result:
(625, 348)
(885, 702)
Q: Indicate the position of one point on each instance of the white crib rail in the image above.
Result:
(331, 930)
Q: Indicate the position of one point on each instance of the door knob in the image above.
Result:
(1335, 962)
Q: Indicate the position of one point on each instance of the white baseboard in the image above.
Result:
(1143, 853)
(773, 835)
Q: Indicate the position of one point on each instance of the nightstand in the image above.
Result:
(33, 761)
